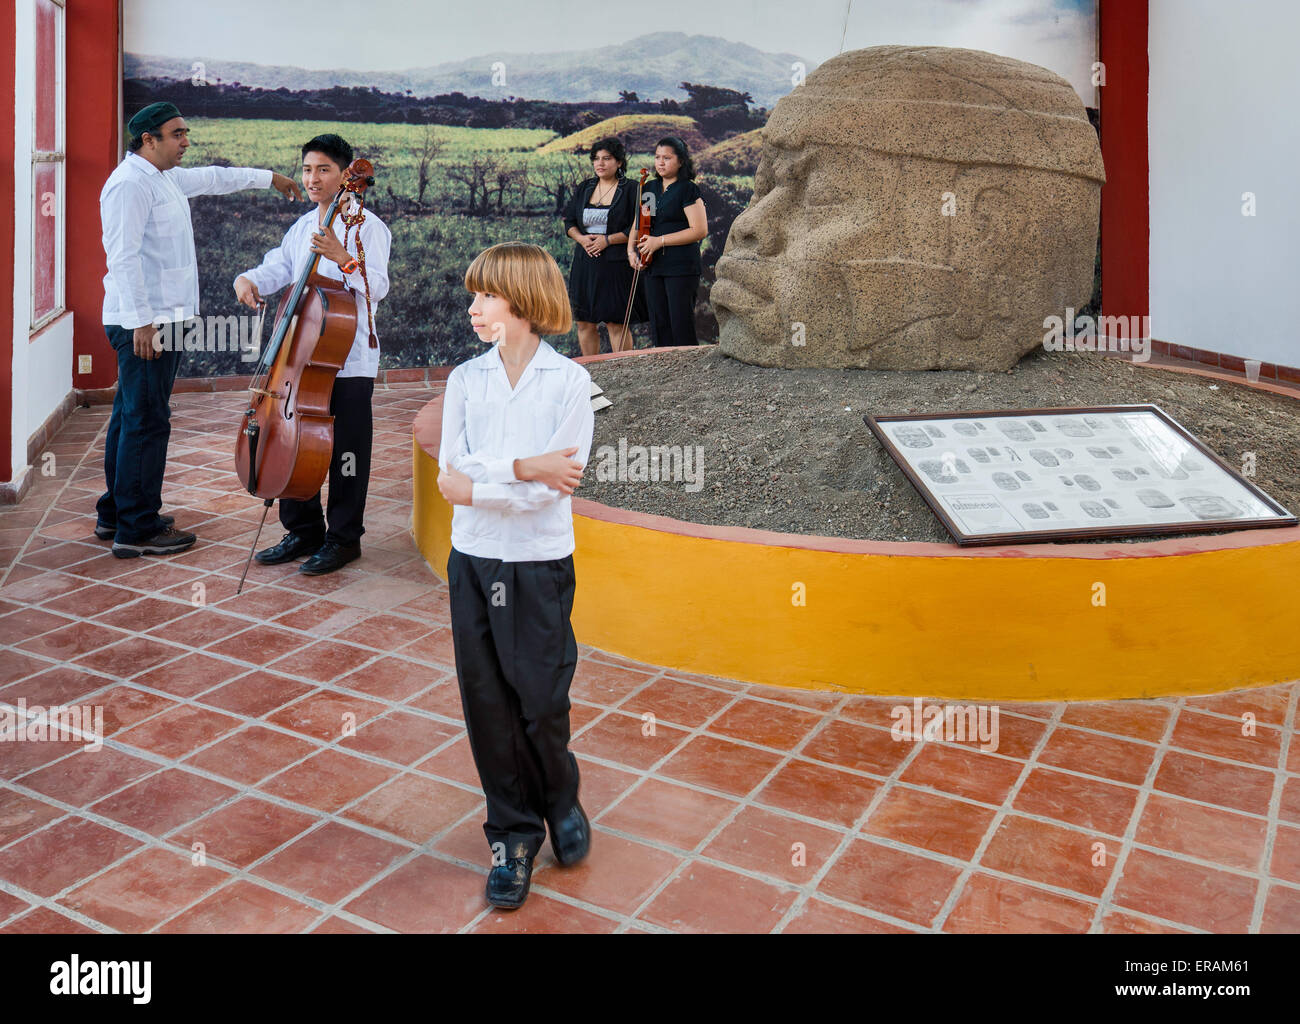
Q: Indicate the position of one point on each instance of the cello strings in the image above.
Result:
(257, 333)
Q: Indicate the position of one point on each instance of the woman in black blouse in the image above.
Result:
(598, 219)
(678, 224)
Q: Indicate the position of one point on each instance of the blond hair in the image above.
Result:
(527, 277)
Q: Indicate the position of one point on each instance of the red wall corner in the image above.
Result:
(1125, 206)
(93, 150)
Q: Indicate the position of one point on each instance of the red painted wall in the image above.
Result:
(1125, 210)
(93, 140)
(8, 35)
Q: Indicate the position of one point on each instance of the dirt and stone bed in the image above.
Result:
(788, 450)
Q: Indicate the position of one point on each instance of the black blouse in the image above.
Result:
(622, 213)
(669, 217)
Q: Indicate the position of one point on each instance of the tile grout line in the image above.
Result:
(651, 773)
(810, 889)
(245, 722)
(1274, 813)
(1007, 807)
(169, 842)
(1129, 840)
(271, 666)
(923, 851)
(1279, 773)
(4, 576)
(643, 774)
(747, 801)
(169, 762)
(321, 816)
(412, 768)
(243, 790)
(249, 668)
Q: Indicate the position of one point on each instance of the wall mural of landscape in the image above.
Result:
(467, 153)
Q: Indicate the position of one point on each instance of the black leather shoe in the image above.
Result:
(330, 557)
(109, 532)
(570, 836)
(291, 547)
(507, 884)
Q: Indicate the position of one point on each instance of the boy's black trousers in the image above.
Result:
(515, 658)
(349, 470)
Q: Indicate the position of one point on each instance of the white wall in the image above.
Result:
(49, 374)
(1225, 91)
(42, 369)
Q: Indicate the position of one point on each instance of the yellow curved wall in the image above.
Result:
(966, 626)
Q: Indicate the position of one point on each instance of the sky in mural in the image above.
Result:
(390, 35)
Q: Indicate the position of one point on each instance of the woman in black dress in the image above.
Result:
(598, 219)
(678, 223)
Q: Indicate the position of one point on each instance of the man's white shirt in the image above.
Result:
(486, 426)
(153, 272)
(284, 265)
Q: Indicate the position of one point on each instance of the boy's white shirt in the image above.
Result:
(486, 426)
(283, 265)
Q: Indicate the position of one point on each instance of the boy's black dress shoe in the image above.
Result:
(331, 556)
(507, 884)
(570, 836)
(109, 532)
(291, 546)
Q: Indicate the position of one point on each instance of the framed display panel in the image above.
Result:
(1020, 475)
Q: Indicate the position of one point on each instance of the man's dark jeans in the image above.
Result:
(135, 452)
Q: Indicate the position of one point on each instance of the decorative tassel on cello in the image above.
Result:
(356, 220)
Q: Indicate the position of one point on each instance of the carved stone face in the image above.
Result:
(850, 255)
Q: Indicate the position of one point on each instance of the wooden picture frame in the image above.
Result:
(1004, 476)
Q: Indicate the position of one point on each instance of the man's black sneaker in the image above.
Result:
(109, 532)
(166, 541)
(330, 557)
(292, 546)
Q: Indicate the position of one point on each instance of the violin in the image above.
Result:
(642, 230)
(286, 435)
(643, 216)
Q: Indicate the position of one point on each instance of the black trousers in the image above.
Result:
(515, 658)
(671, 301)
(349, 470)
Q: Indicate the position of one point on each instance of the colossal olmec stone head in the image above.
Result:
(915, 208)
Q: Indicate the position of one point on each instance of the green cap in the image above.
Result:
(151, 117)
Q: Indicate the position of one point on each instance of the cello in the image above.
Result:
(286, 435)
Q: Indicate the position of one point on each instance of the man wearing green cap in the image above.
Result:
(152, 280)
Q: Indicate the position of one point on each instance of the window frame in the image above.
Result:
(57, 156)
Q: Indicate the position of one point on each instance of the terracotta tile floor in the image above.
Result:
(294, 759)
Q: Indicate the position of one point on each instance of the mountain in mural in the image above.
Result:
(653, 66)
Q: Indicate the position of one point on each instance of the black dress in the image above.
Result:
(599, 287)
(673, 280)
(669, 218)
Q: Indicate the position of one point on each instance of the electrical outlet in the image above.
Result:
(83, 364)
